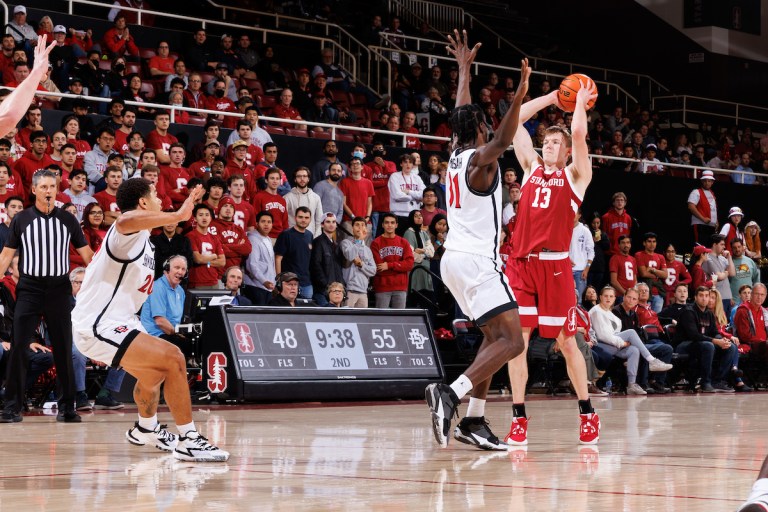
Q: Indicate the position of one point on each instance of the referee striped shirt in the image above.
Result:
(43, 241)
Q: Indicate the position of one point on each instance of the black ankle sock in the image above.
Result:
(585, 406)
(518, 411)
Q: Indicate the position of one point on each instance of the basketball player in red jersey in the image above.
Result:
(471, 266)
(539, 269)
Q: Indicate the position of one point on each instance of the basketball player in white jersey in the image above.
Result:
(539, 269)
(471, 266)
(107, 329)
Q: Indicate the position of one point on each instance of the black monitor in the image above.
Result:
(197, 302)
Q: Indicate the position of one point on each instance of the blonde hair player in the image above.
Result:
(539, 269)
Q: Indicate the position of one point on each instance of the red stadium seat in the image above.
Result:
(365, 137)
(358, 99)
(431, 146)
(295, 132)
(275, 130)
(256, 87)
(146, 53)
(197, 120)
(362, 116)
(148, 90)
(133, 67)
(206, 77)
(267, 102)
(320, 135)
(345, 137)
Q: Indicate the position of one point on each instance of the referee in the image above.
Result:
(42, 235)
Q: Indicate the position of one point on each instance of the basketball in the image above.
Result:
(568, 89)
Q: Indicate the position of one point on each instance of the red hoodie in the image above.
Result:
(396, 252)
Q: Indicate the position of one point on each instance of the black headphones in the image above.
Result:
(225, 276)
(279, 282)
(167, 264)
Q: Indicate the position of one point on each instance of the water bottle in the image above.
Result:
(608, 385)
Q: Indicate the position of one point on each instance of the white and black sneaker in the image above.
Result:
(196, 448)
(443, 404)
(160, 438)
(477, 432)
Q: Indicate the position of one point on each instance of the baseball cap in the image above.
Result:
(329, 216)
(288, 276)
(226, 200)
(707, 175)
(239, 143)
(214, 143)
(79, 103)
(415, 65)
(75, 80)
(321, 75)
(302, 71)
(735, 211)
(650, 146)
(700, 249)
(318, 95)
(19, 9)
(222, 65)
(514, 184)
(59, 29)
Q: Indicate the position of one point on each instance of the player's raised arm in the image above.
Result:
(522, 141)
(505, 133)
(140, 218)
(15, 105)
(581, 168)
(464, 56)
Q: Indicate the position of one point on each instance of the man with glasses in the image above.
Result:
(193, 94)
(162, 64)
(95, 162)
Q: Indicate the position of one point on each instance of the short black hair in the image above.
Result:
(388, 215)
(203, 206)
(216, 182)
(38, 133)
(130, 191)
(263, 213)
(622, 237)
(14, 198)
(303, 209)
(103, 130)
(648, 235)
(465, 122)
(5, 143)
(77, 172)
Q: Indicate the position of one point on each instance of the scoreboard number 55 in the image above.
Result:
(382, 338)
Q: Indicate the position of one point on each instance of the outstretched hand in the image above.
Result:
(525, 74)
(459, 48)
(189, 203)
(42, 51)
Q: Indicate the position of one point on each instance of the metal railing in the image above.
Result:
(687, 110)
(334, 129)
(439, 16)
(346, 59)
(617, 92)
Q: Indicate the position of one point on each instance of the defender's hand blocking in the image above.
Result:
(189, 203)
(525, 75)
(42, 52)
(459, 48)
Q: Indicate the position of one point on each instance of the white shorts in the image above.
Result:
(109, 343)
(478, 284)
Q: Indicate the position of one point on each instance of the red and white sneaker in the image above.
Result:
(518, 432)
(589, 432)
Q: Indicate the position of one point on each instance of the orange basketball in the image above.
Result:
(568, 89)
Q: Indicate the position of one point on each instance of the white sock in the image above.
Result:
(148, 423)
(650, 359)
(476, 408)
(461, 386)
(186, 429)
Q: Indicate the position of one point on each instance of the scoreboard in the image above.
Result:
(268, 353)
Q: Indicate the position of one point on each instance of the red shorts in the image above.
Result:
(545, 293)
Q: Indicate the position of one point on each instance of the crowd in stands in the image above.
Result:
(360, 224)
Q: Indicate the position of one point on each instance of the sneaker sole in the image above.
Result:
(479, 443)
(437, 416)
(512, 442)
(108, 407)
(209, 458)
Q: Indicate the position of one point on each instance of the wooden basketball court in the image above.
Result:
(672, 453)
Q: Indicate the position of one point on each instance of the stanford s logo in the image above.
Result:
(570, 322)
(216, 366)
(244, 339)
(121, 329)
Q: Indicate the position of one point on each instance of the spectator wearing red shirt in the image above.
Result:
(215, 187)
(429, 205)
(731, 229)
(703, 207)
(125, 130)
(151, 172)
(245, 215)
(207, 252)
(254, 154)
(175, 176)
(33, 160)
(202, 168)
(270, 201)
(394, 260)
(233, 239)
(616, 221)
(698, 276)
(652, 269)
(286, 110)
(219, 100)
(34, 119)
(118, 40)
(750, 322)
(270, 162)
(160, 140)
(107, 198)
(358, 194)
(238, 164)
(381, 171)
(193, 95)
(408, 126)
(161, 65)
(676, 273)
(6, 56)
(623, 268)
